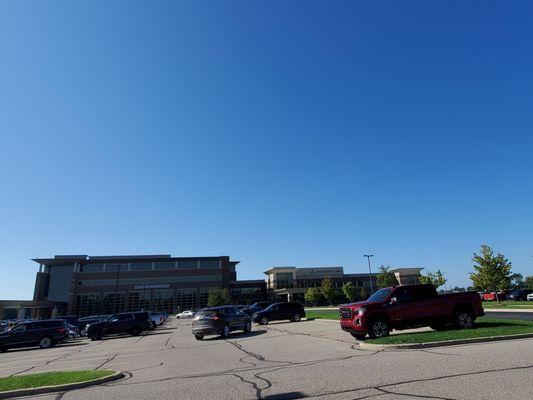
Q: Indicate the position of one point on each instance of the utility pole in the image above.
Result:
(370, 272)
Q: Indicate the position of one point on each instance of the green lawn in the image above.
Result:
(329, 314)
(49, 379)
(508, 304)
(485, 327)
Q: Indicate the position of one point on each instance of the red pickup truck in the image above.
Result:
(409, 306)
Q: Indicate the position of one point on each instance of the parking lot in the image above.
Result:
(309, 359)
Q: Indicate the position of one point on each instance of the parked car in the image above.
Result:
(156, 319)
(491, 296)
(529, 297)
(291, 311)
(44, 334)
(185, 314)
(256, 307)
(519, 294)
(132, 322)
(219, 321)
(408, 306)
(85, 321)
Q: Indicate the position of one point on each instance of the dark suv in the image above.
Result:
(260, 305)
(44, 334)
(292, 311)
(219, 321)
(131, 322)
(519, 294)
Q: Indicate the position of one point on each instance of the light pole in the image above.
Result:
(370, 272)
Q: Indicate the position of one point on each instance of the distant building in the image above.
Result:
(84, 285)
(407, 276)
(291, 283)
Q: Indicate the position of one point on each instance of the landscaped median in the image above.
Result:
(54, 381)
(486, 329)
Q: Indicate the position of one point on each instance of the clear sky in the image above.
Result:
(276, 132)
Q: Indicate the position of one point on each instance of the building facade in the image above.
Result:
(291, 283)
(88, 285)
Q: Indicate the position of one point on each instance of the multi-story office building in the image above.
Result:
(291, 283)
(83, 285)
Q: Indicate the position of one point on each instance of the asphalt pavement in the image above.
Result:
(523, 315)
(309, 359)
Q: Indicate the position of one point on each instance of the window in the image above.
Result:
(60, 281)
(209, 264)
(188, 264)
(164, 265)
(163, 300)
(123, 317)
(92, 267)
(403, 294)
(141, 266)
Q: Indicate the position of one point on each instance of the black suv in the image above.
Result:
(132, 322)
(44, 334)
(256, 307)
(219, 321)
(292, 311)
(519, 294)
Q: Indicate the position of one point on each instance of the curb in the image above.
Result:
(371, 346)
(60, 388)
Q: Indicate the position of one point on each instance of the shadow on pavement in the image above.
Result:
(284, 396)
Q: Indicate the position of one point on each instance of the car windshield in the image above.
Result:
(380, 295)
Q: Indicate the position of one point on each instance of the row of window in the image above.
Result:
(147, 300)
(151, 280)
(149, 265)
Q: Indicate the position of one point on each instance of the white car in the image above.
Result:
(185, 314)
(529, 297)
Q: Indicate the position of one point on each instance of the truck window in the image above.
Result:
(423, 292)
(403, 294)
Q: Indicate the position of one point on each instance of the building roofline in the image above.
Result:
(85, 259)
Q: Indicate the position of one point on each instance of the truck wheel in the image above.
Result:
(358, 336)
(463, 320)
(136, 331)
(378, 328)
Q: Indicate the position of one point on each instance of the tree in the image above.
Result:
(385, 277)
(327, 289)
(350, 291)
(363, 293)
(528, 282)
(434, 278)
(313, 295)
(492, 273)
(218, 297)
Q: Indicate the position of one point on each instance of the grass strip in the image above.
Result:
(508, 304)
(485, 327)
(50, 379)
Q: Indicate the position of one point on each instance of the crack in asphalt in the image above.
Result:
(420, 396)
(106, 361)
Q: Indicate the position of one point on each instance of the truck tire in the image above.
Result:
(378, 328)
(358, 336)
(463, 320)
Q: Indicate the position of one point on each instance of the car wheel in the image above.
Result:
(3, 349)
(96, 335)
(263, 321)
(225, 332)
(379, 328)
(152, 326)
(358, 336)
(46, 342)
(247, 327)
(136, 331)
(296, 318)
(198, 337)
(463, 320)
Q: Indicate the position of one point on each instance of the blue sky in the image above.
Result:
(279, 133)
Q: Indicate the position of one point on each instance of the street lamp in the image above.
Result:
(370, 272)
